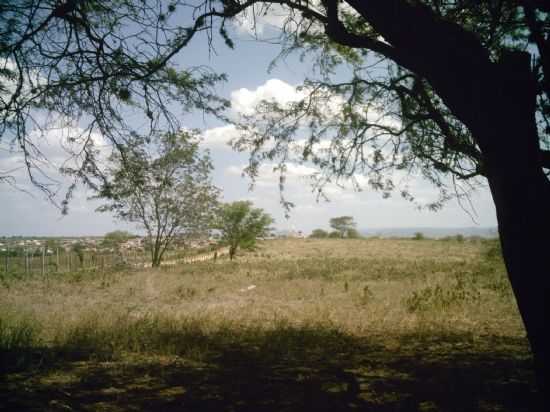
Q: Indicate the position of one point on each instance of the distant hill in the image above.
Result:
(434, 232)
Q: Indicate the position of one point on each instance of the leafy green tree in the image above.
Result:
(353, 234)
(240, 225)
(164, 187)
(335, 235)
(343, 225)
(79, 248)
(113, 240)
(319, 234)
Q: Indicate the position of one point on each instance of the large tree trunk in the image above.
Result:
(523, 213)
(521, 193)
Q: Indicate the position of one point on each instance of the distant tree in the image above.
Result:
(419, 236)
(342, 224)
(113, 240)
(79, 248)
(335, 235)
(319, 234)
(240, 224)
(165, 187)
(51, 244)
(353, 234)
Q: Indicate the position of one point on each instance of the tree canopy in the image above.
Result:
(343, 225)
(240, 224)
(164, 187)
(100, 70)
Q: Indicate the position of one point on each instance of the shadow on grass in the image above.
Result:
(285, 369)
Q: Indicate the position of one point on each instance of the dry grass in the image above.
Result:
(298, 300)
(358, 286)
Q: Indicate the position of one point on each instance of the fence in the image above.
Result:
(60, 261)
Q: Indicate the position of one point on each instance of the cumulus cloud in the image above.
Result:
(244, 101)
(220, 137)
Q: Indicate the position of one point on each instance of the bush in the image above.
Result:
(440, 297)
(418, 236)
(319, 234)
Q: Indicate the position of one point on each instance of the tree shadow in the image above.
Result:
(290, 370)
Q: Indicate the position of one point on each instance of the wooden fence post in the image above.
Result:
(43, 261)
(7, 258)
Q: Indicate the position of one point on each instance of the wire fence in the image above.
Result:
(44, 261)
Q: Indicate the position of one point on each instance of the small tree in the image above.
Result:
(113, 240)
(343, 225)
(79, 248)
(165, 187)
(319, 234)
(240, 224)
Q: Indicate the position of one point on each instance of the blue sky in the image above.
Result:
(28, 213)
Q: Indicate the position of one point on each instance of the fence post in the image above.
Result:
(57, 259)
(43, 261)
(70, 261)
(7, 258)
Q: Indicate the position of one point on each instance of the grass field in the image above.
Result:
(375, 325)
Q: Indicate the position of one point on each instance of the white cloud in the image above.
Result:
(244, 101)
(220, 137)
(262, 22)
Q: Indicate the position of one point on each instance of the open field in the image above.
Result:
(375, 325)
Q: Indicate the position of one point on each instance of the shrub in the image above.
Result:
(438, 297)
(319, 234)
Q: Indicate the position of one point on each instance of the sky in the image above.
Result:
(25, 211)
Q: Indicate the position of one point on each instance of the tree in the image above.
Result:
(343, 225)
(91, 69)
(113, 240)
(353, 234)
(165, 187)
(335, 235)
(319, 234)
(79, 249)
(240, 225)
(457, 92)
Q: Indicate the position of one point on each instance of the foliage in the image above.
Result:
(335, 235)
(165, 187)
(318, 234)
(419, 236)
(387, 120)
(353, 234)
(343, 225)
(79, 249)
(441, 297)
(240, 224)
(113, 240)
(91, 69)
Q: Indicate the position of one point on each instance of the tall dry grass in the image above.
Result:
(375, 287)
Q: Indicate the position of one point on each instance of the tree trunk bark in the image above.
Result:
(521, 193)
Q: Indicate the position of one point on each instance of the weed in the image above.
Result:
(441, 297)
